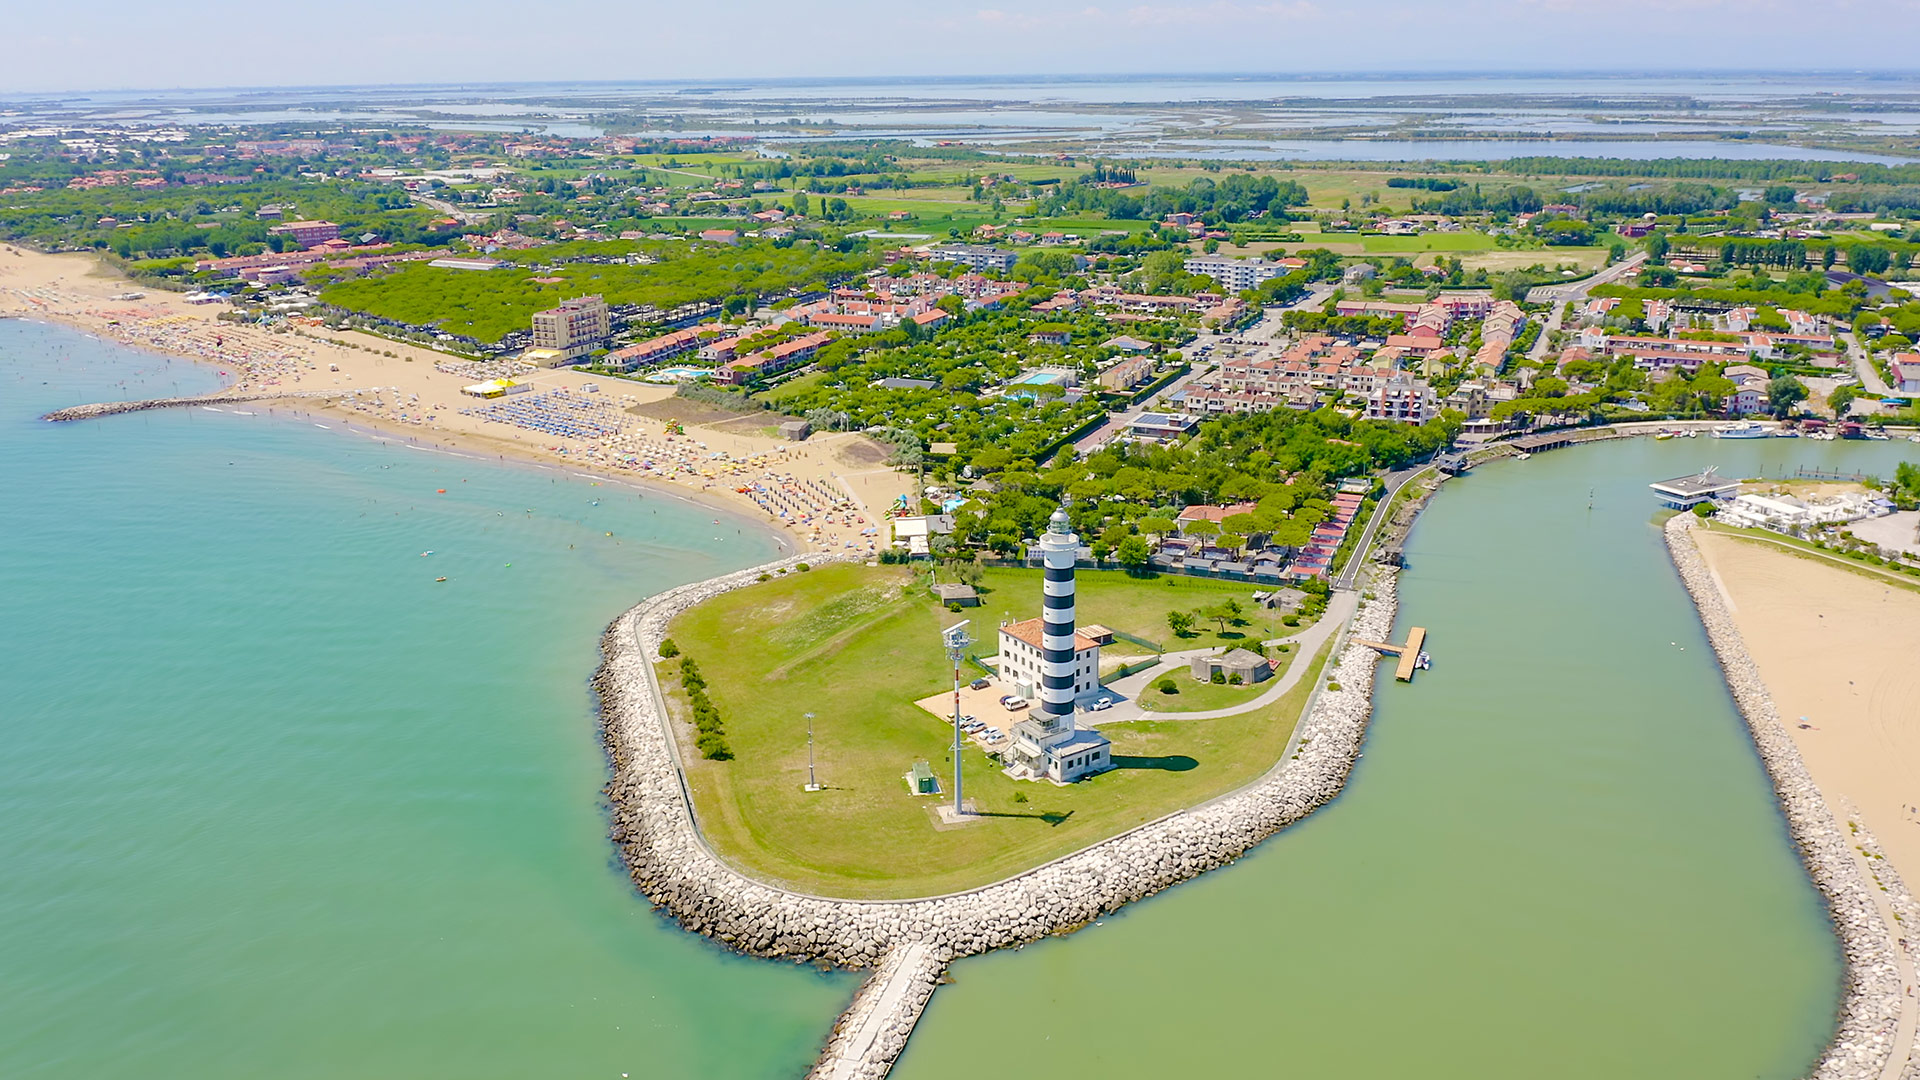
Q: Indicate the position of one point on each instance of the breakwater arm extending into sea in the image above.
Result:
(1866, 1043)
(219, 397)
(909, 942)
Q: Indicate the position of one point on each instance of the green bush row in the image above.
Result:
(711, 737)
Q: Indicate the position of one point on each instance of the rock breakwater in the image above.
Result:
(220, 397)
(911, 941)
(1865, 1041)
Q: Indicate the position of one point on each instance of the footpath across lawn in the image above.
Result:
(855, 646)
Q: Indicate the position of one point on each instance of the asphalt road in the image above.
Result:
(1395, 481)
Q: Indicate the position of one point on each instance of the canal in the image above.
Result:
(1558, 855)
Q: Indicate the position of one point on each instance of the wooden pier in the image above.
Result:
(1409, 653)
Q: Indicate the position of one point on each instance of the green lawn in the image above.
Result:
(1132, 605)
(1192, 695)
(856, 646)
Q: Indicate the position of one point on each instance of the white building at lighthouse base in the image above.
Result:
(1062, 755)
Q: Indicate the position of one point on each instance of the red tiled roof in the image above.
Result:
(1029, 632)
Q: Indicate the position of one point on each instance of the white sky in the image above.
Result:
(153, 44)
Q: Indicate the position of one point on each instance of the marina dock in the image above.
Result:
(1408, 653)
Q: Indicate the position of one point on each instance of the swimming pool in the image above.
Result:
(678, 374)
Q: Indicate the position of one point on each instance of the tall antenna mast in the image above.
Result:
(812, 784)
(957, 640)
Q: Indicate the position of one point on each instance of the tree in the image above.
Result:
(1840, 401)
(1222, 613)
(1180, 622)
(1784, 392)
(1133, 552)
(1906, 485)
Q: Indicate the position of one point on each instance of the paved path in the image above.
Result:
(1863, 367)
(1575, 291)
(1118, 422)
(1394, 481)
(1840, 561)
(885, 1002)
(1340, 608)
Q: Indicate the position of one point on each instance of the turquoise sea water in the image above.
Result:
(273, 803)
(1558, 855)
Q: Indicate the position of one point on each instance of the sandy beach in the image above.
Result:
(1836, 650)
(830, 492)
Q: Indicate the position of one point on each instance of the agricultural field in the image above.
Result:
(1583, 258)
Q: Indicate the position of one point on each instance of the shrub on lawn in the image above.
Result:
(1167, 686)
(711, 735)
(668, 650)
(1219, 678)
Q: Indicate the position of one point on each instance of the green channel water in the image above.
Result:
(273, 803)
(1558, 855)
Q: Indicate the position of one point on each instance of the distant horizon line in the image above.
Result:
(1406, 74)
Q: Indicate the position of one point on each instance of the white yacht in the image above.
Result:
(1740, 429)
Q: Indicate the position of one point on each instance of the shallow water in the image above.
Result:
(273, 802)
(1558, 856)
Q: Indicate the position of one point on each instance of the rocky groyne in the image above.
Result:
(1866, 1040)
(911, 941)
(219, 397)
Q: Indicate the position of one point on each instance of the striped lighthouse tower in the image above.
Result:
(1058, 549)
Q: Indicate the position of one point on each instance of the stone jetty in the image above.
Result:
(1867, 1043)
(908, 943)
(218, 397)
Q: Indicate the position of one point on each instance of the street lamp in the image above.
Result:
(812, 784)
(957, 640)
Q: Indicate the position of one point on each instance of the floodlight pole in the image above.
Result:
(956, 640)
(812, 784)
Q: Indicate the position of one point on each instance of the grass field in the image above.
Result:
(1465, 240)
(856, 646)
(1584, 258)
(1192, 695)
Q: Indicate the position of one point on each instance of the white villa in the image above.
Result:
(1022, 654)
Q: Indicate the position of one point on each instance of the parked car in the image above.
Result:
(980, 684)
(1101, 706)
(1010, 702)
